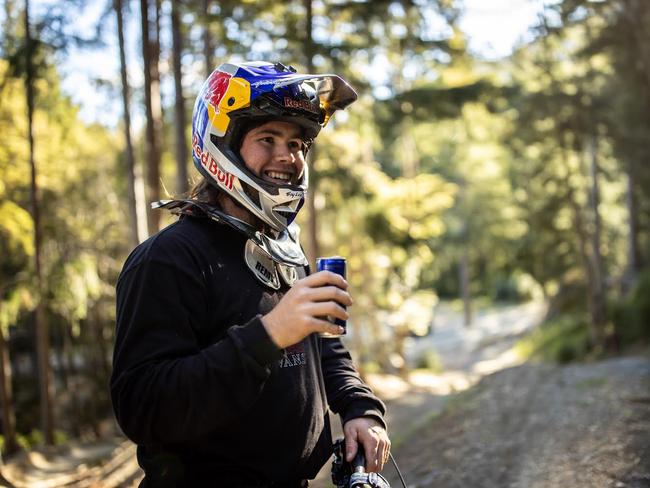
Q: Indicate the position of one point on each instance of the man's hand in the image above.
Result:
(374, 439)
(303, 309)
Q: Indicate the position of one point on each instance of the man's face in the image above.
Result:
(274, 152)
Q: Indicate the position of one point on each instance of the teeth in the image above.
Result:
(279, 176)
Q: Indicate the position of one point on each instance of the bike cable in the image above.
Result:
(399, 473)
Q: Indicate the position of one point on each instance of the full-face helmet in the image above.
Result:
(237, 95)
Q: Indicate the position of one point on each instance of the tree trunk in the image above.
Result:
(463, 259)
(71, 376)
(593, 329)
(359, 315)
(7, 398)
(135, 185)
(600, 312)
(208, 49)
(42, 326)
(182, 185)
(633, 262)
(150, 56)
(463, 276)
(312, 230)
(634, 12)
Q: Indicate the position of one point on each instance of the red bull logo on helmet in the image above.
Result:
(211, 165)
(215, 88)
(300, 104)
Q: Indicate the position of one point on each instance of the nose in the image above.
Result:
(283, 154)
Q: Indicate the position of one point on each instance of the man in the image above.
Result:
(220, 375)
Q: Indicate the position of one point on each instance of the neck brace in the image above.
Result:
(268, 258)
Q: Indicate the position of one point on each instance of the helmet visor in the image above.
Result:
(320, 95)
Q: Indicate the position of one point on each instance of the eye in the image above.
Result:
(267, 139)
(295, 145)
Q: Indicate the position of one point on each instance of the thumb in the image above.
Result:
(351, 445)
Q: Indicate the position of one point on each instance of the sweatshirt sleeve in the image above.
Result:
(165, 388)
(347, 395)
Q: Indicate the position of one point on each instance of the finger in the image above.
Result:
(370, 445)
(325, 293)
(332, 309)
(323, 278)
(323, 326)
(383, 455)
(379, 457)
(351, 445)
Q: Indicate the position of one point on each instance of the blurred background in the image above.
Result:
(490, 187)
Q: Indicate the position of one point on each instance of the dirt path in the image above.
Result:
(540, 426)
(516, 425)
(466, 355)
(107, 464)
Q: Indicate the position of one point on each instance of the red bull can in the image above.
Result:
(335, 264)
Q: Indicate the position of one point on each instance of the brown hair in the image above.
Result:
(206, 192)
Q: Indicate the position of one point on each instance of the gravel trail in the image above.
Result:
(539, 426)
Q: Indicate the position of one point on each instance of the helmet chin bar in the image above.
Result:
(267, 257)
(242, 182)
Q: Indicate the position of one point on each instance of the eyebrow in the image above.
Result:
(274, 132)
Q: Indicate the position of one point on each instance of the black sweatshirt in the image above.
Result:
(197, 382)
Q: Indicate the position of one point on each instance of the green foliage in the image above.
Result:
(75, 171)
(31, 440)
(631, 315)
(16, 226)
(429, 360)
(562, 340)
(429, 102)
(35, 439)
(515, 287)
(16, 247)
(82, 235)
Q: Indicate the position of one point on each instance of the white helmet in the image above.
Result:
(237, 95)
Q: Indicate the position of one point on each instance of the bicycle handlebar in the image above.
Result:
(359, 461)
(353, 475)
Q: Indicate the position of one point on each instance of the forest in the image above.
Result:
(453, 178)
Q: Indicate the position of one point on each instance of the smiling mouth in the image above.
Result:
(278, 177)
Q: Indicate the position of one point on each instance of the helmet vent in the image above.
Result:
(287, 215)
(253, 194)
(282, 68)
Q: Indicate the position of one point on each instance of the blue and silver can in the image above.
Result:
(335, 264)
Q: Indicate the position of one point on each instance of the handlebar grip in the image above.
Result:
(359, 461)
